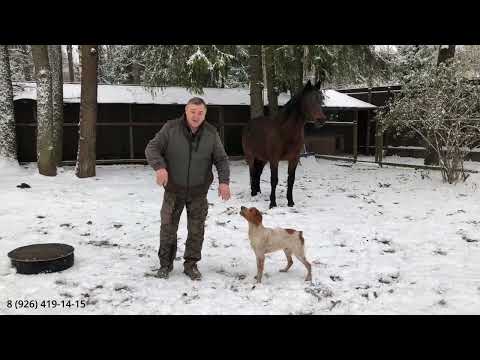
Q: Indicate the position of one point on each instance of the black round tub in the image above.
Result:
(42, 258)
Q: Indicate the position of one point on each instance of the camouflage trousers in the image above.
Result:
(172, 207)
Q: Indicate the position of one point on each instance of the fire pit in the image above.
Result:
(42, 258)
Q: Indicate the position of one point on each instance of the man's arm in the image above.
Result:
(155, 149)
(220, 159)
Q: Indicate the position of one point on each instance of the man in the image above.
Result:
(182, 154)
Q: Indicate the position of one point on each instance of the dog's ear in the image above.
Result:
(257, 216)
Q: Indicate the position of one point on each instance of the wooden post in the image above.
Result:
(130, 127)
(355, 135)
(379, 143)
(221, 123)
(384, 137)
(367, 135)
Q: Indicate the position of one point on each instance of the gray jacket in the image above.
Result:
(188, 157)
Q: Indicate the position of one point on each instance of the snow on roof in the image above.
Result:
(136, 94)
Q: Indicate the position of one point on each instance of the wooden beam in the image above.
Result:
(339, 123)
(130, 128)
(109, 162)
(426, 167)
(134, 124)
(126, 161)
(367, 135)
(235, 124)
(380, 142)
(366, 92)
(355, 135)
(221, 123)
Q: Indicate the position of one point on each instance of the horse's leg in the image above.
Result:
(251, 169)
(292, 166)
(259, 165)
(273, 181)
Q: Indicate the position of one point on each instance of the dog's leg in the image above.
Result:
(260, 263)
(288, 254)
(307, 265)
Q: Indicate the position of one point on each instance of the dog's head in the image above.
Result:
(251, 215)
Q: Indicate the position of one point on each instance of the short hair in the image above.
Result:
(196, 101)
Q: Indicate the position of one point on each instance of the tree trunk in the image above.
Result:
(444, 53)
(8, 143)
(86, 157)
(298, 66)
(79, 67)
(272, 93)
(135, 74)
(27, 70)
(55, 57)
(100, 61)
(71, 73)
(256, 84)
(45, 154)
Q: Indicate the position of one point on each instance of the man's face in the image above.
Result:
(195, 115)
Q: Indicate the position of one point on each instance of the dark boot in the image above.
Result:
(164, 272)
(191, 270)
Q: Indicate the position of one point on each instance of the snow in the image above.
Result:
(340, 100)
(200, 56)
(134, 94)
(381, 241)
(9, 166)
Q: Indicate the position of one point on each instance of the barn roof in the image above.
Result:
(136, 94)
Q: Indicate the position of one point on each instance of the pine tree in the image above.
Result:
(8, 147)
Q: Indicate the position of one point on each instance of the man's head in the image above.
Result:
(195, 111)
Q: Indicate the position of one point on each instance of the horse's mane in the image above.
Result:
(293, 104)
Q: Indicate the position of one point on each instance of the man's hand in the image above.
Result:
(162, 177)
(224, 191)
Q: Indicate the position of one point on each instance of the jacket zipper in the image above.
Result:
(189, 161)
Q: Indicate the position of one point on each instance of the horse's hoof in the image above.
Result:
(254, 193)
(273, 205)
(291, 204)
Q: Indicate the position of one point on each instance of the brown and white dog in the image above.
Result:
(266, 240)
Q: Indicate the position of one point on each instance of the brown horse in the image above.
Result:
(281, 137)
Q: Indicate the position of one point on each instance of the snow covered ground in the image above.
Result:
(381, 241)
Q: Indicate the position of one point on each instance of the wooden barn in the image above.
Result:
(130, 115)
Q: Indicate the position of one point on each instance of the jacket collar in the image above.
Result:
(187, 128)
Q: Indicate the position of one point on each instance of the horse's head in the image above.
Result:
(311, 103)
